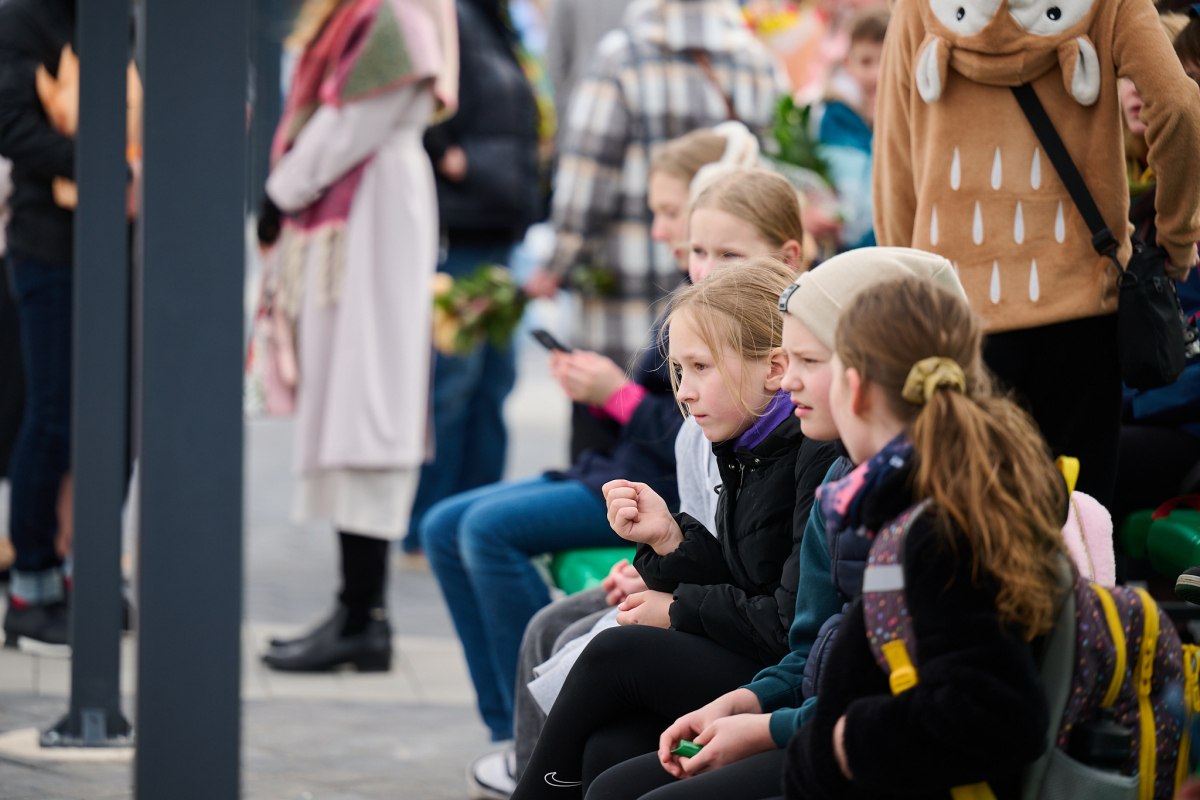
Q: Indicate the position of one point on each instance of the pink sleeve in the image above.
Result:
(624, 401)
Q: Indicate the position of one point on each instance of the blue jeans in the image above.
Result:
(41, 456)
(479, 544)
(468, 408)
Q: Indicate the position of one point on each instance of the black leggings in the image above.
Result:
(628, 685)
(643, 778)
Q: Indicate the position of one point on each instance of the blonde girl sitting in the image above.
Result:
(718, 608)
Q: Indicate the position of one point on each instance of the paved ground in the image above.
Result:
(406, 734)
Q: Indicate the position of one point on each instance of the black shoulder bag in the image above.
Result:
(1150, 321)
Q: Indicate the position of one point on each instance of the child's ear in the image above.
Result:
(859, 401)
(777, 364)
(791, 253)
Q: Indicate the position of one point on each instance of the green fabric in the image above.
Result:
(383, 60)
(585, 567)
(1133, 532)
(1173, 543)
(778, 688)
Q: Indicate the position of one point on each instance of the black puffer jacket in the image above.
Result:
(496, 126)
(739, 589)
(33, 32)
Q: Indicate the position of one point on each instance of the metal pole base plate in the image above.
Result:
(92, 727)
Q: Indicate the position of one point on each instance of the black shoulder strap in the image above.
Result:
(1102, 238)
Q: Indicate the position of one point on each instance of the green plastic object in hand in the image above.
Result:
(686, 749)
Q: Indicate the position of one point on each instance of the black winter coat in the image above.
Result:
(979, 712)
(739, 588)
(496, 126)
(33, 32)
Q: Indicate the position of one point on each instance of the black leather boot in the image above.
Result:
(335, 621)
(357, 633)
(327, 649)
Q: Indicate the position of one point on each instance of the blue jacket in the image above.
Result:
(846, 140)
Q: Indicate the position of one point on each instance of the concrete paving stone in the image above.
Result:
(440, 670)
(16, 672)
(78, 782)
(51, 676)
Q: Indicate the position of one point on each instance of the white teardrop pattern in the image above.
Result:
(995, 293)
(955, 172)
(1060, 227)
(997, 172)
(1035, 289)
(977, 227)
(1019, 225)
(933, 226)
(1035, 172)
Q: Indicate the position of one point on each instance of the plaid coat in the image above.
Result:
(644, 88)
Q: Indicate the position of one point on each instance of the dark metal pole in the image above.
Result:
(100, 402)
(190, 564)
(269, 25)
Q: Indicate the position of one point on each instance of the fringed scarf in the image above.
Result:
(367, 47)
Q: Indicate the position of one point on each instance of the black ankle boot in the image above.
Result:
(335, 621)
(327, 649)
(357, 633)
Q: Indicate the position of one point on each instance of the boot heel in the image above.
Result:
(373, 662)
(11, 639)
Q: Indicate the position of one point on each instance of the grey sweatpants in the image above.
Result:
(546, 634)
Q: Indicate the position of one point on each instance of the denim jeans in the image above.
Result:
(468, 408)
(41, 455)
(479, 544)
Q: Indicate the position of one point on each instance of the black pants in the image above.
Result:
(643, 778)
(628, 685)
(1068, 377)
(12, 379)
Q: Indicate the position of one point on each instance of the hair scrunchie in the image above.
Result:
(928, 374)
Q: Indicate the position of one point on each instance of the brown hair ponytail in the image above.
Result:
(977, 455)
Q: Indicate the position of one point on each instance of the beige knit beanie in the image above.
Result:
(818, 297)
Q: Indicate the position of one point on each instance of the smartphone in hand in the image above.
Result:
(547, 340)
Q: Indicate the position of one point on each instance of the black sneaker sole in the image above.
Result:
(1187, 587)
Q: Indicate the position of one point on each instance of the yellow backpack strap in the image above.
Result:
(1118, 637)
(1191, 704)
(1147, 762)
(903, 674)
(1069, 467)
(976, 791)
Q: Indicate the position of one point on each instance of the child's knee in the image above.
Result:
(483, 535)
(438, 531)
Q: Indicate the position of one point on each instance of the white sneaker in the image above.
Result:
(490, 777)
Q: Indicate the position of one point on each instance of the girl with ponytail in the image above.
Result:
(937, 446)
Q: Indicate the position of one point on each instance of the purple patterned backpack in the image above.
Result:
(1109, 649)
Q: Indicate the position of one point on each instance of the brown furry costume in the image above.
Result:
(959, 171)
